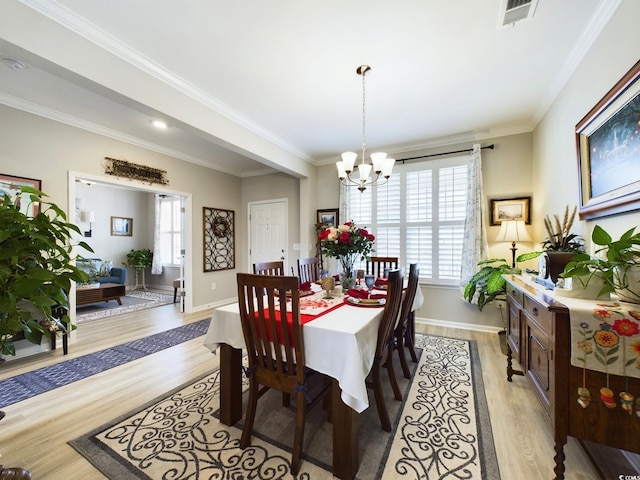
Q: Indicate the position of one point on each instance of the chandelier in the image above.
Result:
(380, 163)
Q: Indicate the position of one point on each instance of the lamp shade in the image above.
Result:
(513, 231)
(88, 217)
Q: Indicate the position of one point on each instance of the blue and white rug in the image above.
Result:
(27, 385)
(441, 430)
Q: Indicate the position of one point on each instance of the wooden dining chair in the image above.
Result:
(276, 354)
(405, 329)
(308, 269)
(269, 268)
(376, 265)
(384, 348)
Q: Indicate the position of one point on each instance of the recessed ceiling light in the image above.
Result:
(159, 124)
(12, 64)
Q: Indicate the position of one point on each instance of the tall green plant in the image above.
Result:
(36, 268)
(139, 259)
(488, 283)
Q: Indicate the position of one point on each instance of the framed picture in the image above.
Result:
(328, 217)
(608, 147)
(11, 186)
(121, 226)
(219, 239)
(510, 209)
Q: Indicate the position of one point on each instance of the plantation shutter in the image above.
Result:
(418, 216)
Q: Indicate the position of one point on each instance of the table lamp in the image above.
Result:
(513, 231)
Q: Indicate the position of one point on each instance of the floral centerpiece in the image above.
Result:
(347, 243)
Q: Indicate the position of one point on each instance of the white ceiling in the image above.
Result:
(251, 86)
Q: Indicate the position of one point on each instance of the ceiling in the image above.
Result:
(250, 87)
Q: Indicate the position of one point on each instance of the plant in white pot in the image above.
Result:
(618, 267)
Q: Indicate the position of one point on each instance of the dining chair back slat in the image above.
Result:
(404, 330)
(269, 268)
(274, 341)
(384, 347)
(377, 265)
(308, 269)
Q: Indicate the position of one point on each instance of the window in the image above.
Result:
(418, 216)
(171, 231)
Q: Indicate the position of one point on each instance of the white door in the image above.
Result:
(268, 232)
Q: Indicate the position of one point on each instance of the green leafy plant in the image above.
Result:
(614, 264)
(139, 259)
(36, 268)
(488, 283)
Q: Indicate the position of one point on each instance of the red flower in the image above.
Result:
(324, 234)
(344, 237)
(600, 313)
(371, 237)
(625, 327)
(363, 232)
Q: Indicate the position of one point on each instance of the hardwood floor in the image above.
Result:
(35, 432)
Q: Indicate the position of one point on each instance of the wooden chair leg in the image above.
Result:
(247, 430)
(410, 336)
(298, 439)
(379, 396)
(392, 375)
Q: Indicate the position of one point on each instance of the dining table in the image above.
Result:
(340, 337)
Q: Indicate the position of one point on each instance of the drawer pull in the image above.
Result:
(534, 310)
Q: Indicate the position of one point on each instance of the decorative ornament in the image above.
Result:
(124, 169)
(627, 400)
(606, 395)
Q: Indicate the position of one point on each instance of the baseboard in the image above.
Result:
(460, 325)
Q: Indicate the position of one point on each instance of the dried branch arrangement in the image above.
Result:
(559, 236)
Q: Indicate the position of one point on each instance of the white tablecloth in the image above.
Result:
(340, 344)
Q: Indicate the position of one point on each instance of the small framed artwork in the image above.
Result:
(121, 226)
(328, 217)
(608, 147)
(219, 239)
(10, 185)
(510, 209)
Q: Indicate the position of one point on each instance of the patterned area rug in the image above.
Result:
(132, 302)
(441, 430)
(27, 385)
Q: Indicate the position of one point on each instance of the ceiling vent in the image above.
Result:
(513, 11)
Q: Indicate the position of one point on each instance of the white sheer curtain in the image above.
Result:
(156, 266)
(474, 244)
(344, 206)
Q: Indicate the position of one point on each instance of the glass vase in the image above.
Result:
(347, 281)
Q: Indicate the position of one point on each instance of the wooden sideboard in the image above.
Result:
(538, 338)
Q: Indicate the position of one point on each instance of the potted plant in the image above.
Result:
(488, 283)
(36, 268)
(619, 268)
(139, 260)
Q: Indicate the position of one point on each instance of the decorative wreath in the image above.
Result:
(221, 227)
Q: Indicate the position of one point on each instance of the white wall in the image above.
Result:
(554, 148)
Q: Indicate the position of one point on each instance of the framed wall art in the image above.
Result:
(328, 217)
(121, 227)
(510, 209)
(10, 185)
(608, 147)
(219, 239)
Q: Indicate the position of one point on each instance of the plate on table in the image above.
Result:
(366, 302)
(303, 293)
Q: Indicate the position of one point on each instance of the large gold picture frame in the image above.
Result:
(608, 147)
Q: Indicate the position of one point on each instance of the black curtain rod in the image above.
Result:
(445, 153)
